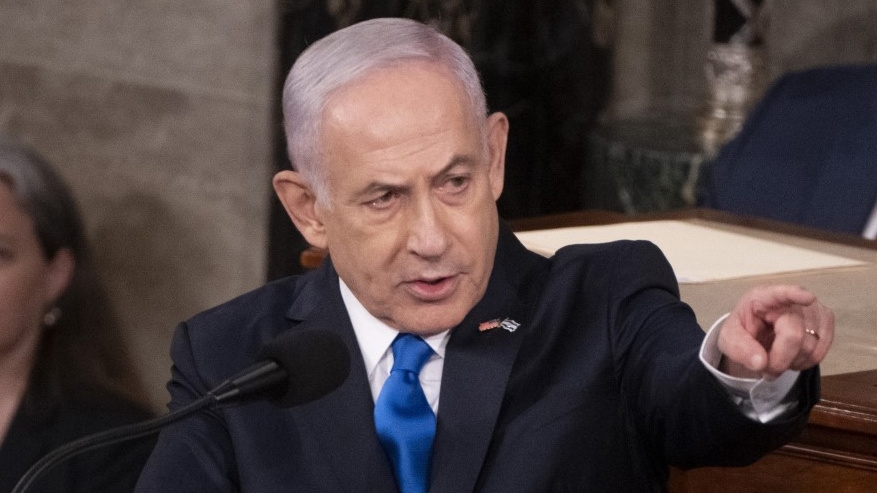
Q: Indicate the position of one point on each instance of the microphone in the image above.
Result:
(295, 368)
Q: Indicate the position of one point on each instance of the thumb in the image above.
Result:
(740, 347)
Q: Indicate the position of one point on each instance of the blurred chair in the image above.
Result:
(807, 154)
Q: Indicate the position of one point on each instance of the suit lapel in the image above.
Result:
(476, 370)
(342, 421)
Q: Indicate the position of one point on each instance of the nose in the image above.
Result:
(428, 233)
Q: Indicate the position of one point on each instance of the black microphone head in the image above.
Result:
(317, 362)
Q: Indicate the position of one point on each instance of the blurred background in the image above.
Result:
(164, 116)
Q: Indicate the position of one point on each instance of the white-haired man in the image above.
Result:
(576, 373)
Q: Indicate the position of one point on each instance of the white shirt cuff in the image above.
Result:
(759, 399)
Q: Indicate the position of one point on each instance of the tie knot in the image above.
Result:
(410, 353)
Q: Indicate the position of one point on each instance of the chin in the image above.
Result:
(431, 323)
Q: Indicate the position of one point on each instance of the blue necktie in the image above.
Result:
(403, 419)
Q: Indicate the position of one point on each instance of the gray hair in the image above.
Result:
(346, 56)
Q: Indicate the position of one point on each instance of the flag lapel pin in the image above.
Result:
(505, 323)
(509, 325)
(489, 325)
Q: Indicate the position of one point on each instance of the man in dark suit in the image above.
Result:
(806, 153)
(575, 373)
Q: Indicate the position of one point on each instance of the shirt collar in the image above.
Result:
(375, 337)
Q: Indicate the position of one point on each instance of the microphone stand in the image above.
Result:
(308, 353)
(265, 379)
(109, 437)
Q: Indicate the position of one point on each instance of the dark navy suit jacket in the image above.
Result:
(807, 153)
(598, 389)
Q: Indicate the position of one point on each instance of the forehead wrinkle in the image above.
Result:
(408, 146)
(391, 94)
(431, 144)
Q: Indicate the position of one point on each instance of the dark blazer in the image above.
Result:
(598, 389)
(40, 427)
(807, 154)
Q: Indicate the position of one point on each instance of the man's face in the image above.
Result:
(412, 226)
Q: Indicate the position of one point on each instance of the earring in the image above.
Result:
(52, 316)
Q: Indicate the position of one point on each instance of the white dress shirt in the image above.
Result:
(870, 231)
(375, 338)
(759, 399)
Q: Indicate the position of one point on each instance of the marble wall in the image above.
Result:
(159, 115)
(664, 122)
(660, 46)
(805, 34)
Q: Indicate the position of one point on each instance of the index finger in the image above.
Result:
(765, 300)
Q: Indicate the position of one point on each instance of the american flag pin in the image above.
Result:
(505, 323)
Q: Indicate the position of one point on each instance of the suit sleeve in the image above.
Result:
(195, 454)
(673, 401)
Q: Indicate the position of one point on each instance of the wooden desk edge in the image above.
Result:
(848, 402)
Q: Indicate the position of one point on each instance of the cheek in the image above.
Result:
(21, 309)
(479, 229)
(483, 248)
(485, 259)
(366, 258)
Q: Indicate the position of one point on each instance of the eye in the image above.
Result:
(457, 183)
(384, 201)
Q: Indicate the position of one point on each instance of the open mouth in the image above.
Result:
(432, 289)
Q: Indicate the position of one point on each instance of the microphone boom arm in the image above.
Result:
(296, 368)
(108, 437)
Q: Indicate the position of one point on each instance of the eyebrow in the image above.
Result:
(378, 186)
(458, 160)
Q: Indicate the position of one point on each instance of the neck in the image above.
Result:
(15, 368)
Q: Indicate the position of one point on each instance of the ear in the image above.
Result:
(59, 273)
(300, 204)
(497, 137)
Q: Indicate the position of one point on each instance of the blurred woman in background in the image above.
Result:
(64, 371)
